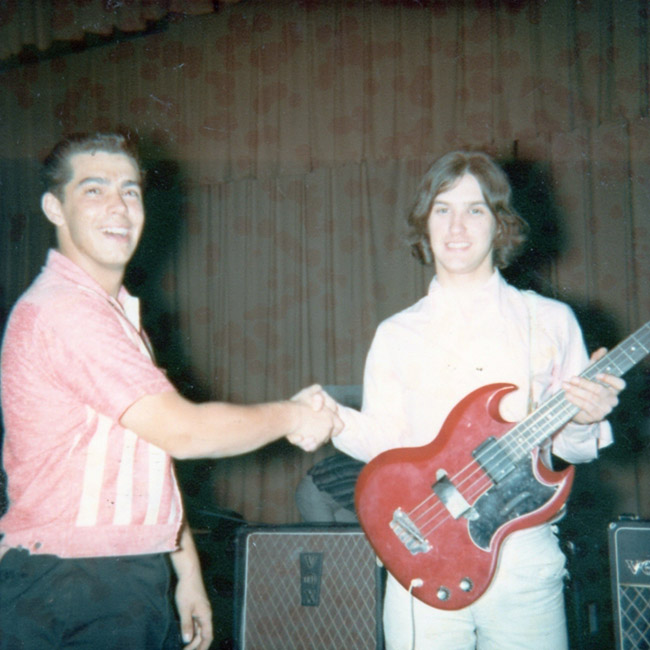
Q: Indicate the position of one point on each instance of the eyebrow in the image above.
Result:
(469, 203)
(100, 180)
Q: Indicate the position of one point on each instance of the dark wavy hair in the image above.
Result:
(511, 228)
(57, 171)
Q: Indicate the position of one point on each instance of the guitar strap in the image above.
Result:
(531, 304)
(530, 298)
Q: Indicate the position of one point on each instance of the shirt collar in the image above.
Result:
(492, 286)
(65, 267)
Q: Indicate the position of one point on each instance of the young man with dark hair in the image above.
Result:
(470, 330)
(92, 425)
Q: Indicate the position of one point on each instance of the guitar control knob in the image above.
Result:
(466, 584)
(443, 593)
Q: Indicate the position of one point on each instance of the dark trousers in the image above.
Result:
(87, 604)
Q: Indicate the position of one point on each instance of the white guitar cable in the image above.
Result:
(416, 582)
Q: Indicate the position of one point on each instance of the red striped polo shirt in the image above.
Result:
(81, 485)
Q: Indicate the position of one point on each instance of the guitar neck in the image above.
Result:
(557, 410)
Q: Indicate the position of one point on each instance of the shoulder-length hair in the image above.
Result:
(511, 228)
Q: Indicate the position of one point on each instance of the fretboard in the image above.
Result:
(557, 410)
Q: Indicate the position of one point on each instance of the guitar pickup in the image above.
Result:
(493, 459)
(408, 533)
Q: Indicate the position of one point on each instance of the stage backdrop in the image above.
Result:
(284, 142)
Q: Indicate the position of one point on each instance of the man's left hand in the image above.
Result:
(595, 398)
(195, 613)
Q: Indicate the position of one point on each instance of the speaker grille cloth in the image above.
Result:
(634, 603)
(275, 619)
(630, 572)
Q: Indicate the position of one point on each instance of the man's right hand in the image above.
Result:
(317, 419)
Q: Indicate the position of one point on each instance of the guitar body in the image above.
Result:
(462, 509)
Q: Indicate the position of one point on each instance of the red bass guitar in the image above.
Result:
(437, 515)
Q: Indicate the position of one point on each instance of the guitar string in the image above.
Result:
(557, 410)
(604, 364)
(474, 489)
(549, 412)
(554, 414)
(517, 438)
(474, 466)
(556, 417)
(562, 415)
(478, 487)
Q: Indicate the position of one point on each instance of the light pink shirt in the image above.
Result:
(73, 360)
(425, 359)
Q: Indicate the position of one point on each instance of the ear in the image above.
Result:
(52, 208)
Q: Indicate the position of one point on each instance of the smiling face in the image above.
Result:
(461, 233)
(99, 220)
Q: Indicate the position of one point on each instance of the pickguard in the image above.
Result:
(517, 494)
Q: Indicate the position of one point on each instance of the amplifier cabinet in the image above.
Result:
(307, 588)
(629, 554)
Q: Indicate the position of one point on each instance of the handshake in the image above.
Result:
(317, 418)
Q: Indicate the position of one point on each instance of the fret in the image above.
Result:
(557, 410)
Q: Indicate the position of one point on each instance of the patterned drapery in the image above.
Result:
(285, 140)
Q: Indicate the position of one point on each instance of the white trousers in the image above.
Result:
(523, 609)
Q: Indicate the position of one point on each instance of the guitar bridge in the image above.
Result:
(408, 533)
